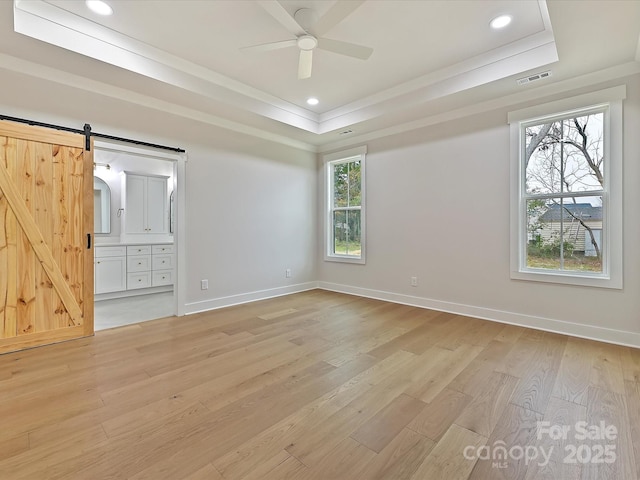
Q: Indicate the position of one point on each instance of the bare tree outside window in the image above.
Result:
(564, 185)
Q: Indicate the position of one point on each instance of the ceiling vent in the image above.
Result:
(534, 78)
(346, 132)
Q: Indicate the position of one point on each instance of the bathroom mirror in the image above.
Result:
(101, 206)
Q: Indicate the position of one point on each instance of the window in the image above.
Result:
(566, 191)
(345, 212)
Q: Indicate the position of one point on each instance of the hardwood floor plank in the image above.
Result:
(346, 460)
(630, 358)
(572, 382)
(268, 443)
(471, 379)
(610, 408)
(443, 372)
(383, 427)
(632, 390)
(41, 462)
(553, 471)
(407, 339)
(606, 370)
(560, 414)
(208, 472)
(13, 446)
(231, 426)
(517, 428)
(288, 468)
(400, 459)
(510, 333)
(539, 374)
(314, 443)
(447, 460)
(483, 412)
(315, 385)
(437, 416)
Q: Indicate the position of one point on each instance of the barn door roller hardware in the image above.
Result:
(86, 131)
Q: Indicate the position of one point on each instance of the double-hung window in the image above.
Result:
(566, 191)
(345, 207)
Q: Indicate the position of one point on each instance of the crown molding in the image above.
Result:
(49, 23)
(563, 86)
(36, 70)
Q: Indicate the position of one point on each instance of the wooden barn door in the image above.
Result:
(46, 213)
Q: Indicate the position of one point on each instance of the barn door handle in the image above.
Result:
(88, 241)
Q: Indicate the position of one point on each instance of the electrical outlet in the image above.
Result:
(204, 284)
(287, 273)
(414, 281)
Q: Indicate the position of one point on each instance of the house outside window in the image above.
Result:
(567, 191)
(345, 206)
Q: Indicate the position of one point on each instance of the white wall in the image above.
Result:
(438, 209)
(249, 202)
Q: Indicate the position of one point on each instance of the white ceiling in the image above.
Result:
(430, 58)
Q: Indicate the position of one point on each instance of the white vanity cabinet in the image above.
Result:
(128, 268)
(110, 268)
(162, 260)
(145, 202)
(138, 266)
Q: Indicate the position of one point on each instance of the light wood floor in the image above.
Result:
(316, 385)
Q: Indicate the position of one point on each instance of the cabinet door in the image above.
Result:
(157, 213)
(111, 274)
(135, 199)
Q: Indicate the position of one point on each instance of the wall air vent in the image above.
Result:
(346, 132)
(534, 78)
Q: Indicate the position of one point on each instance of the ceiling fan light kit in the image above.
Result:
(307, 42)
(308, 30)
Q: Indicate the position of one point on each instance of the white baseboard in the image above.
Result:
(618, 337)
(231, 300)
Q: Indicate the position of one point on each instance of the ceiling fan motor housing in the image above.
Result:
(307, 42)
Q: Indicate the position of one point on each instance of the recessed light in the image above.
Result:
(99, 7)
(313, 101)
(500, 21)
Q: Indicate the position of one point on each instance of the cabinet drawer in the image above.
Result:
(162, 277)
(116, 251)
(138, 263)
(162, 262)
(139, 250)
(161, 249)
(138, 280)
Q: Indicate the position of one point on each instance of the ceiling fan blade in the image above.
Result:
(345, 48)
(304, 64)
(337, 13)
(265, 47)
(277, 11)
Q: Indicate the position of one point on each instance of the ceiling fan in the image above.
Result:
(308, 30)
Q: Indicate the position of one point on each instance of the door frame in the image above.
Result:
(179, 160)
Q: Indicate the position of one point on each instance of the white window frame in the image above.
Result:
(357, 153)
(609, 101)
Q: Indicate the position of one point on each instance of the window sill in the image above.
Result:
(595, 280)
(344, 259)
